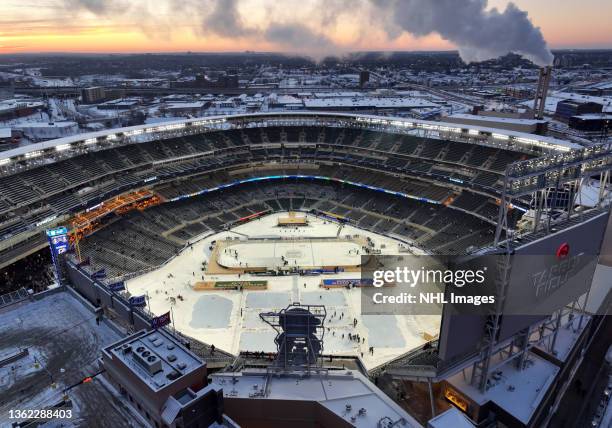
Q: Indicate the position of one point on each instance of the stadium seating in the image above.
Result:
(142, 240)
(29, 197)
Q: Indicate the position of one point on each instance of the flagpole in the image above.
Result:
(172, 319)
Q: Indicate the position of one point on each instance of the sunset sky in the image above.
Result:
(330, 26)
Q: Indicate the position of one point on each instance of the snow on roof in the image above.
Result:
(9, 105)
(197, 104)
(452, 418)
(172, 355)
(341, 94)
(287, 99)
(555, 97)
(50, 144)
(59, 124)
(373, 102)
(594, 116)
(332, 390)
(495, 119)
(518, 392)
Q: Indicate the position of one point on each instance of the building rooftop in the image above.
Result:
(517, 392)
(452, 418)
(155, 357)
(5, 133)
(344, 393)
(594, 116)
(184, 105)
(58, 124)
(567, 336)
(368, 102)
(554, 98)
(10, 105)
(494, 119)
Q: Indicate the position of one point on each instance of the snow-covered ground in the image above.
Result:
(230, 319)
(64, 343)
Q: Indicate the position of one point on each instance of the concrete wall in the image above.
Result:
(267, 413)
(96, 293)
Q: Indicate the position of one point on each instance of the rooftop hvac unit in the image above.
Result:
(148, 360)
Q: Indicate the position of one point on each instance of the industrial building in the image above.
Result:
(591, 122)
(568, 108)
(93, 95)
(162, 380)
(7, 89)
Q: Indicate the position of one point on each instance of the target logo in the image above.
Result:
(563, 251)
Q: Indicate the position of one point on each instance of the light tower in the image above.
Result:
(299, 338)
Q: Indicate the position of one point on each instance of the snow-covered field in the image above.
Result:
(230, 319)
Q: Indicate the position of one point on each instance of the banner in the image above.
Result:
(58, 242)
(160, 321)
(99, 274)
(117, 286)
(138, 301)
(360, 282)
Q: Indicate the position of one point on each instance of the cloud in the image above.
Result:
(478, 32)
(294, 35)
(225, 20)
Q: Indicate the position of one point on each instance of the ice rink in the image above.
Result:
(230, 319)
(305, 253)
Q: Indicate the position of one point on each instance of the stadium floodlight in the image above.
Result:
(501, 136)
(33, 154)
(5, 161)
(62, 147)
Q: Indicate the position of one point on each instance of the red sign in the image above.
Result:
(160, 321)
(563, 250)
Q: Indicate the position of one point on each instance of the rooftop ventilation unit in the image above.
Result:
(148, 360)
(173, 375)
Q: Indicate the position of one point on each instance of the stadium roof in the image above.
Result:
(65, 143)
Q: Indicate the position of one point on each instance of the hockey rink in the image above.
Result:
(276, 253)
(230, 320)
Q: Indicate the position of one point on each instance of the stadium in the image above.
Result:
(217, 220)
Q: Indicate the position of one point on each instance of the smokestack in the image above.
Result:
(541, 91)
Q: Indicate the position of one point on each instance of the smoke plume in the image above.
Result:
(478, 33)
